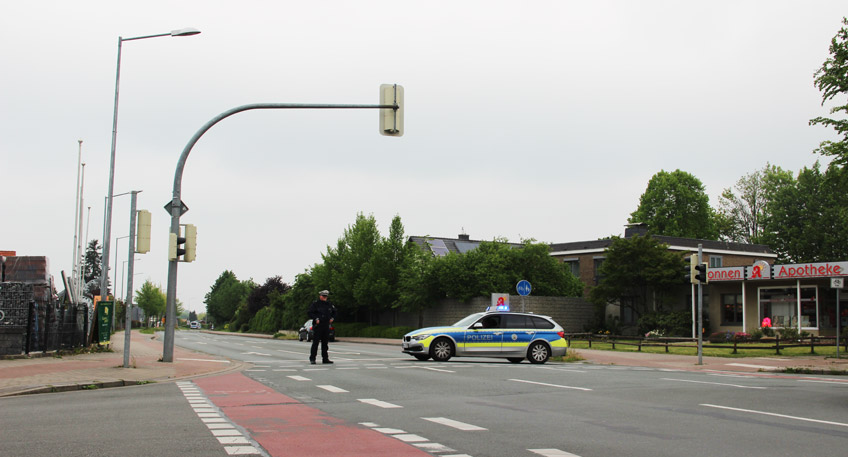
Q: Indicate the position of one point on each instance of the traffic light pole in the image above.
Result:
(700, 310)
(176, 207)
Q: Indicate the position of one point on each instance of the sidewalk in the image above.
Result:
(105, 369)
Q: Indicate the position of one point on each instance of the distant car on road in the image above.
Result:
(194, 324)
(305, 332)
(509, 335)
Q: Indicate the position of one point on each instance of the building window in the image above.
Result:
(598, 261)
(715, 261)
(731, 309)
(574, 266)
(781, 306)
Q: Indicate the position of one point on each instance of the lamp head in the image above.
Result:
(185, 32)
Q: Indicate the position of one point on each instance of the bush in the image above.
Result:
(363, 330)
(788, 333)
(768, 331)
(729, 337)
(676, 323)
(757, 335)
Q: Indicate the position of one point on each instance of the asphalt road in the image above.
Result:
(143, 421)
(487, 407)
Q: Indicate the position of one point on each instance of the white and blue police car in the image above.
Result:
(509, 335)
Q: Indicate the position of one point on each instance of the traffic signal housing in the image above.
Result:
(702, 277)
(142, 232)
(391, 119)
(183, 248)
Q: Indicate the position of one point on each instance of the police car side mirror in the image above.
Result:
(477, 325)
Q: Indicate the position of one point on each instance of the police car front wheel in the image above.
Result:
(441, 350)
(538, 353)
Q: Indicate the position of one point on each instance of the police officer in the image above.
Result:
(322, 313)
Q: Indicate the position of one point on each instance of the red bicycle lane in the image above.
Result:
(284, 426)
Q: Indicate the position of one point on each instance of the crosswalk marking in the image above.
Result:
(334, 389)
(235, 443)
(381, 404)
(552, 453)
(452, 423)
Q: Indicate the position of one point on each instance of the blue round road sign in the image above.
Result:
(523, 287)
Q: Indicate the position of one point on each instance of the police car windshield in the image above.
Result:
(468, 320)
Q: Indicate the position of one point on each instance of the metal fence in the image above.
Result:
(31, 320)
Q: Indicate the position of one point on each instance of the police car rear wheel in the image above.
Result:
(441, 350)
(538, 353)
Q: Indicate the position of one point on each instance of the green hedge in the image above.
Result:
(363, 330)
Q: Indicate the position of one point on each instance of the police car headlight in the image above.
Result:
(420, 337)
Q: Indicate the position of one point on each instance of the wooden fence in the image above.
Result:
(639, 342)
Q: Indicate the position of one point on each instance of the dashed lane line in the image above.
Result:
(715, 383)
(551, 385)
(765, 413)
(454, 424)
(381, 404)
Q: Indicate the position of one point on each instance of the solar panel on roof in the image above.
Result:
(465, 246)
(438, 247)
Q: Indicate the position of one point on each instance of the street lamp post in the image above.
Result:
(107, 224)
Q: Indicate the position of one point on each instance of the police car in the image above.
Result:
(509, 335)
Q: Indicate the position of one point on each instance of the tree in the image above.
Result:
(151, 299)
(806, 218)
(91, 267)
(741, 216)
(676, 204)
(638, 273)
(225, 296)
(832, 81)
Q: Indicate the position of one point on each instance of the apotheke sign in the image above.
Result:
(811, 270)
(763, 271)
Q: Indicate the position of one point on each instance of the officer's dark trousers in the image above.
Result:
(322, 334)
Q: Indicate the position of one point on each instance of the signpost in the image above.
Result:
(523, 287)
(838, 284)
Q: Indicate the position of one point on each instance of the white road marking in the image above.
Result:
(298, 378)
(434, 447)
(334, 389)
(747, 365)
(567, 370)
(220, 428)
(825, 381)
(455, 424)
(805, 419)
(410, 438)
(437, 369)
(381, 404)
(389, 431)
(552, 453)
(205, 360)
(241, 450)
(232, 440)
(714, 383)
(551, 385)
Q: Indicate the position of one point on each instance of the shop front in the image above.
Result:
(800, 296)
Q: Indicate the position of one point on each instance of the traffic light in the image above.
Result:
(188, 251)
(693, 271)
(190, 243)
(702, 277)
(391, 120)
(142, 232)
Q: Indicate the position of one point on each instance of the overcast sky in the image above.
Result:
(534, 119)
